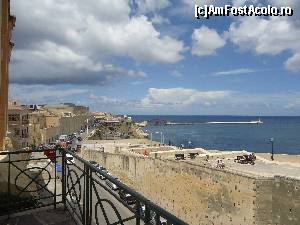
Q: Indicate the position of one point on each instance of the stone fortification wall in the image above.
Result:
(203, 195)
(277, 201)
(196, 194)
(70, 125)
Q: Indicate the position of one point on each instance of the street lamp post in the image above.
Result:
(150, 137)
(272, 151)
(162, 137)
(87, 127)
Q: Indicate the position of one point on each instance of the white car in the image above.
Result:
(70, 159)
(111, 184)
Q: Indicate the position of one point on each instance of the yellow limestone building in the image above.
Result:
(7, 22)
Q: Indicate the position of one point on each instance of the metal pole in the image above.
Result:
(138, 213)
(87, 198)
(63, 176)
(272, 156)
(8, 185)
(87, 126)
(55, 175)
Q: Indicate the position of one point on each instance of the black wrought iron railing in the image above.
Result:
(28, 180)
(87, 191)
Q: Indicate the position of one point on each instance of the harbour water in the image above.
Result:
(251, 137)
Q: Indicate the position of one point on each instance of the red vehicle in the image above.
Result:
(50, 153)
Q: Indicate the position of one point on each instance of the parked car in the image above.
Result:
(179, 157)
(79, 138)
(100, 175)
(142, 209)
(70, 159)
(94, 163)
(162, 221)
(126, 197)
(63, 138)
(245, 159)
(112, 185)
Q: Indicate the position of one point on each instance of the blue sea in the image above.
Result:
(251, 137)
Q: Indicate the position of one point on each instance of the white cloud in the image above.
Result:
(192, 101)
(82, 36)
(50, 63)
(267, 36)
(236, 71)
(109, 101)
(191, 3)
(295, 4)
(206, 41)
(41, 94)
(158, 19)
(136, 38)
(145, 6)
(243, 2)
(293, 63)
(181, 97)
(176, 73)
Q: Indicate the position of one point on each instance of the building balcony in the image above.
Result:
(67, 189)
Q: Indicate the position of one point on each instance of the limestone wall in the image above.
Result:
(70, 125)
(286, 194)
(50, 134)
(202, 195)
(196, 194)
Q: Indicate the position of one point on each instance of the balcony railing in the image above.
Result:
(28, 181)
(91, 195)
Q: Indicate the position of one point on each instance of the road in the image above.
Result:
(103, 194)
(107, 199)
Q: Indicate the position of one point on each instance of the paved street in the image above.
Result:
(103, 195)
(270, 169)
(110, 203)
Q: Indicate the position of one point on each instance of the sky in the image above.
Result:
(155, 57)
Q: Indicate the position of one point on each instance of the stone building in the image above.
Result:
(48, 122)
(67, 109)
(18, 125)
(7, 22)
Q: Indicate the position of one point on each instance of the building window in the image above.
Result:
(13, 117)
(25, 119)
(17, 132)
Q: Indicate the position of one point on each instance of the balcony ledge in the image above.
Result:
(43, 216)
